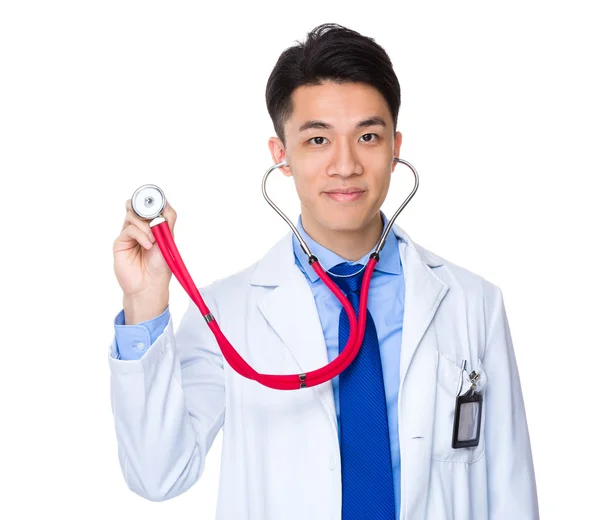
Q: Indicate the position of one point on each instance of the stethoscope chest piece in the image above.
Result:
(148, 201)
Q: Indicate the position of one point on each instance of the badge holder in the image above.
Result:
(467, 413)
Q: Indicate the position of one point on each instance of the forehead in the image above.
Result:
(341, 105)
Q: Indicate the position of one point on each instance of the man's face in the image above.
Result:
(339, 136)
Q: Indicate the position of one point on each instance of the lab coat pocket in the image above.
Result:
(448, 380)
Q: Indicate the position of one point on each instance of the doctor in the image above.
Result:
(375, 442)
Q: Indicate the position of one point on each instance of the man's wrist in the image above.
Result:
(144, 306)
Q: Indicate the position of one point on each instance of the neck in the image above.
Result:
(350, 244)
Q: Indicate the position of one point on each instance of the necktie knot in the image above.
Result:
(350, 279)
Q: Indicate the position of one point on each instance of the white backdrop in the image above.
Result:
(499, 115)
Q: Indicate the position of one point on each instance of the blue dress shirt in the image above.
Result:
(386, 304)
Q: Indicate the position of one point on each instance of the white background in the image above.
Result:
(499, 114)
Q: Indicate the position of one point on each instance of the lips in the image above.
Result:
(346, 190)
(345, 196)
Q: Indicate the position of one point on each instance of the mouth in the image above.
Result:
(345, 195)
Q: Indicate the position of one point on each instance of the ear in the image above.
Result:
(278, 154)
(397, 144)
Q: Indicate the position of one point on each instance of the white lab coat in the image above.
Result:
(280, 456)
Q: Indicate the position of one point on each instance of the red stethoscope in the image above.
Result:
(148, 201)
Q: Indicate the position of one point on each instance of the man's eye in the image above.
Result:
(316, 138)
(369, 140)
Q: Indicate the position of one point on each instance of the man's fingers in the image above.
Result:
(135, 233)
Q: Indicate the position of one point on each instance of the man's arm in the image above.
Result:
(168, 406)
(512, 492)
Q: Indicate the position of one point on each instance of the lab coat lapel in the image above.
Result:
(424, 292)
(291, 311)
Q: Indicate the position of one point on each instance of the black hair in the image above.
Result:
(331, 53)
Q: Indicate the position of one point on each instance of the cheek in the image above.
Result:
(385, 183)
(307, 188)
(379, 188)
(310, 169)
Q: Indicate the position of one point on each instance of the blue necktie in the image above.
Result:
(367, 480)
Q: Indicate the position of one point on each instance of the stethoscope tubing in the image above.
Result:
(165, 241)
(171, 254)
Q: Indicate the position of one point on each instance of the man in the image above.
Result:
(377, 441)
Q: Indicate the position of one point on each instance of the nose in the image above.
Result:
(344, 160)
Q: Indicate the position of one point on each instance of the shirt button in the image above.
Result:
(139, 346)
(332, 462)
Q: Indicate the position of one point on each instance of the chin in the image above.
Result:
(344, 220)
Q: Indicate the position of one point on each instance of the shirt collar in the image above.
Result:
(389, 256)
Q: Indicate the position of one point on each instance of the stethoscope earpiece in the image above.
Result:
(148, 201)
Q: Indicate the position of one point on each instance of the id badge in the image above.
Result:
(467, 415)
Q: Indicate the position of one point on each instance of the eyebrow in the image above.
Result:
(315, 123)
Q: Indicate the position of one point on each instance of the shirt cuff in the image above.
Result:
(132, 341)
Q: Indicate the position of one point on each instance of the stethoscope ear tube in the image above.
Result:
(145, 202)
